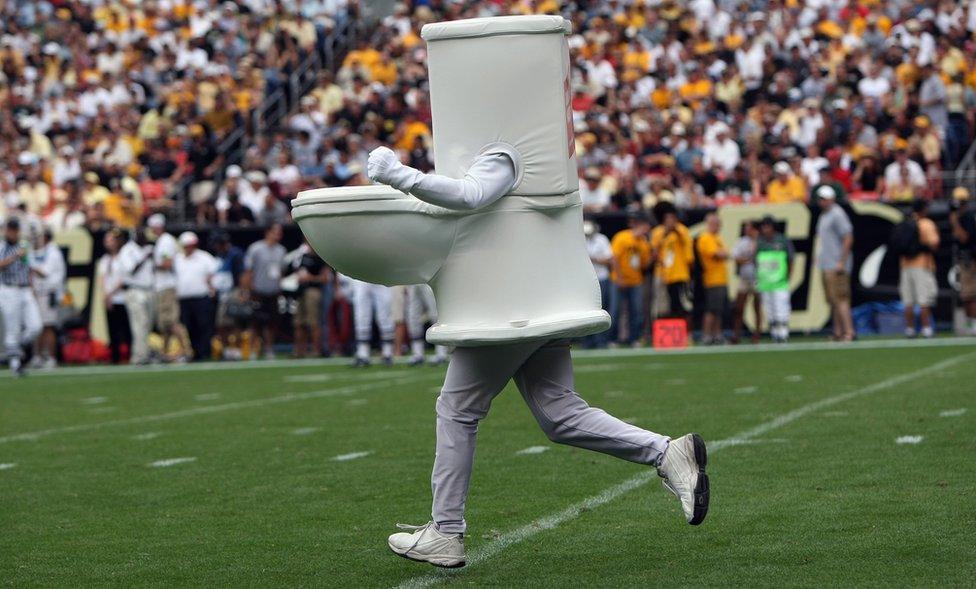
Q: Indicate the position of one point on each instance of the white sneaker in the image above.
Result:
(683, 471)
(49, 363)
(425, 544)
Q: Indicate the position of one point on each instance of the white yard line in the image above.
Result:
(351, 456)
(146, 436)
(171, 462)
(533, 450)
(490, 549)
(304, 431)
(909, 439)
(207, 397)
(746, 390)
(7, 465)
(207, 409)
(871, 344)
(952, 412)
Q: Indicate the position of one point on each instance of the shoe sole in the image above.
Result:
(442, 566)
(701, 487)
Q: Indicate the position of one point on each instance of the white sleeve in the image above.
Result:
(493, 173)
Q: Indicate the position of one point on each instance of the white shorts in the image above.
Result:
(49, 303)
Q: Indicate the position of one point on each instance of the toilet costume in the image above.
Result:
(497, 234)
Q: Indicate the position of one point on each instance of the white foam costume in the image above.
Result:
(497, 233)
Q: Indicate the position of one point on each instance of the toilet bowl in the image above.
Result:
(376, 233)
(517, 269)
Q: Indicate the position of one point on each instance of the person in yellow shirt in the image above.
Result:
(121, 209)
(713, 256)
(785, 185)
(696, 89)
(631, 258)
(671, 246)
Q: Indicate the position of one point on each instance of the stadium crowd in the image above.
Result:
(107, 106)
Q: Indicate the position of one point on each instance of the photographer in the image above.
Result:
(963, 221)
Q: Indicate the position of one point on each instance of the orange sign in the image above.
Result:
(670, 333)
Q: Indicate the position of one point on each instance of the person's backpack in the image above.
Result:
(904, 241)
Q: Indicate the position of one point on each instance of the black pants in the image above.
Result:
(118, 331)
(197, 316)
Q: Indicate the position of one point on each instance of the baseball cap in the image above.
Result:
(767, 220)
(781, 168)
(234, 171)
(826, 192)
(156, 221)
(189, 238)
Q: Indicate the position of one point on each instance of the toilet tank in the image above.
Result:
(504, 79)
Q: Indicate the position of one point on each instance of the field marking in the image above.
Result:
(146, 436)
(207, 409)
(586, 368)
(351, 456)
(749, 442)
(909, 439)
(532, 450)
(870, 344)
(207, 397)
(746, 390)
(171, 462)
(94, 400)
(304, 431)
(489, 550)
(330, 376)
(794, 378)
(952, 412)
(7, 465)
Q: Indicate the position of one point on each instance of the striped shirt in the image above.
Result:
(17, 273)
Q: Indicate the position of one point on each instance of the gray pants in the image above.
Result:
(543, 372)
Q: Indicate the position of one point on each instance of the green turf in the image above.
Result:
(826, 500)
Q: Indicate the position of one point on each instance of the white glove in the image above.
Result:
(384, 167)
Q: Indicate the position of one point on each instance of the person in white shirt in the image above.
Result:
(166, 305)
(601, 255)
(109, 271)
(904, 179)
(195, 270)
(595, 198)
(722, 152)
(48, 267)
(136, 265)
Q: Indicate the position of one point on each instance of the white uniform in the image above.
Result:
(369, 300)
(21, 316)
(138, 278)
(49, 288)
(542, 370)
(420, 304)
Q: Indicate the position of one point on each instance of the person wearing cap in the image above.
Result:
(601, 256)
(774, 263)
(594, 197)
(195, 270)
(18, 307)
(836, 236)
(714, 257)
(785, 185)
(631, 259)
(963, 221)
(166, 304)
(93, 192)
(904, 179)
(50, 273)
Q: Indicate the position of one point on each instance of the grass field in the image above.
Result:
(810, 486)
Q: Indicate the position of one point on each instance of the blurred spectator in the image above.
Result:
(195, 270)
(50, 273)
(744, 254)
(914, 241)
(110, 270)
(673, 254)
(904, 179)
(601, 256)
(631, 259)
(312, 274)
(166, 305)
(786, 186)
(836, 235)
(595, 198)
(262, 283)
(774, 265)
(713, 257)
(135, 261)
(963, 222)
(232, 309)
